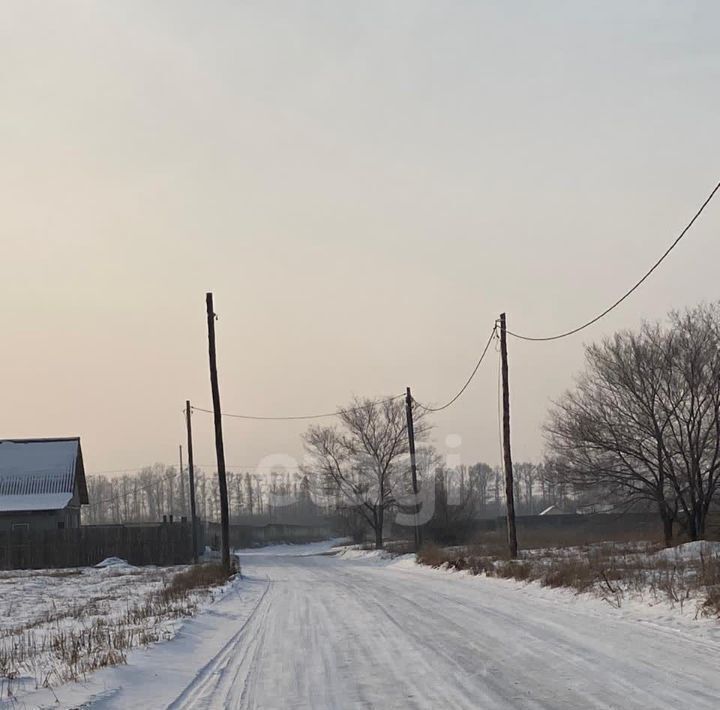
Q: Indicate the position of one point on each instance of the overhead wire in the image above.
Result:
(631, 290)
(336, 413)
(493, 333)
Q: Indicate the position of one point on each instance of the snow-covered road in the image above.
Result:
(334, 633)
(307, 630)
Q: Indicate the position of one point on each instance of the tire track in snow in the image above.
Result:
(227, 663)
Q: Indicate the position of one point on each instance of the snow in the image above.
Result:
(38, 456)
(289, 550)
(39, 501)
(309, 629)
(37, 475)
(690, 551)
(115, 563)
(41, 610)
(358, 553)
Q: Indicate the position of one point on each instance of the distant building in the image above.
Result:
(42, 484)
(597, 508)
(552, 510)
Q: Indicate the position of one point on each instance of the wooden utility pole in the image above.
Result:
(191, 476)
(509, 489)
(413, 464)
(219, 449)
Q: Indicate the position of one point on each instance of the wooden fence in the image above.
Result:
(593, 524)
(159, 544)
(272, 533)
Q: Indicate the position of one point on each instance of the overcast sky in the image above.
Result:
(364, 186)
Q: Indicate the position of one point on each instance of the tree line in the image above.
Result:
(159, 490)
(461, 493)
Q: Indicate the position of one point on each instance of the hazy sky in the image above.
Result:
(363, 185)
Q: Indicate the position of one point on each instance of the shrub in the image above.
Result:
(576, 573)
(198, 577)
(515, 569)
(433, 556)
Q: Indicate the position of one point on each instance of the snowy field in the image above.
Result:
(308, 629)
(60, 625)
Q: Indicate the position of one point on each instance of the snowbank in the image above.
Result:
(115, 563)
(690, 551)
(287, 550)
(356, 553)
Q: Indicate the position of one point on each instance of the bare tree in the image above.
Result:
(363, 462)
(607, 434)
(692, 406)
(460, 498)
(643, 422)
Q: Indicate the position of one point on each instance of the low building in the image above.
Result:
(42, 484)
(553, 510)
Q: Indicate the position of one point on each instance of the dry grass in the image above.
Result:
(199, 577)
(399, 547)
(612, 571)
(710, 579)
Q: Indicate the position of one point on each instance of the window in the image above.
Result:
(24, 527)
(61, 524)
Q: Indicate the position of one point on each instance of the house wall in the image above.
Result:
(37, 519)
(72, 511)
(68, 517)
(44, 519)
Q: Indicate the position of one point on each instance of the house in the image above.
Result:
(42, 484)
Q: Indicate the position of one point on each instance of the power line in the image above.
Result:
(300, 417)
(565, 334)
(467, 382)
(198, 466)
(632, 290)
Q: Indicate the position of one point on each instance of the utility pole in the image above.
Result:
(183, 500)
(191, 474)
(413, 464)
(219, 449)
(509, 490)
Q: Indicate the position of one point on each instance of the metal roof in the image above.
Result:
(40, 474)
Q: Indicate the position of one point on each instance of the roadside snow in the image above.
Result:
(115, 562)
(287, 550)
(358, 553)
(690, 551)
(637, 607)
(155, 675)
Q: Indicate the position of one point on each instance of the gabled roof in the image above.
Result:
(40, 474)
